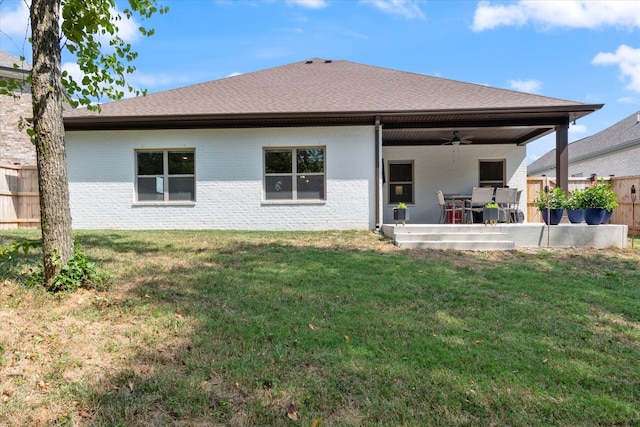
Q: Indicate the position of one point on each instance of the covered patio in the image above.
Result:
(455, 150)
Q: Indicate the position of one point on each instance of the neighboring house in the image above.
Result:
(311, 145)
(15, 145)
(613, 151)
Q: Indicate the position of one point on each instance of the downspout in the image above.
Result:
(378, 173)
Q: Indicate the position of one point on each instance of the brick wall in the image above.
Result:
(229, 176)
(15, 145)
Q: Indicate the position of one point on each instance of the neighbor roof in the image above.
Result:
(8, 64)
(621, 135)
(318, 89)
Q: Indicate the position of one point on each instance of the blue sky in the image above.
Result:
(586, 51)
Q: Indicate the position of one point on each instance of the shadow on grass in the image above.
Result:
(234, 328)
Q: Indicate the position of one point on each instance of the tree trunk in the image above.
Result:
(55, 214)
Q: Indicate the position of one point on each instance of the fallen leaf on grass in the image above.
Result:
(178, 315)
(347, 339)
(312, 327)
(43, 386)
(292, 413)
(317, 422)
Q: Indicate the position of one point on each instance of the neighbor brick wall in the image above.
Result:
(15, 145)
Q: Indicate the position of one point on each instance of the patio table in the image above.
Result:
(457, 201)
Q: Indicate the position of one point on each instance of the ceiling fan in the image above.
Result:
(457, 140)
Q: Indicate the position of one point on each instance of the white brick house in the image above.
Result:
(312, 145)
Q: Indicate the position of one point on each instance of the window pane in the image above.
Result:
(181, 163)
(279, 188)
(491, 171)
(311, 187)
(278, 161)
(150, 163)
(400, 193)
(150, 189)
(401, 172)
(310, 160)
(181, 188)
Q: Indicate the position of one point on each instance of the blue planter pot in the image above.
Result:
(576, 216)
(554, 216)
(594, 216)
(607, 217)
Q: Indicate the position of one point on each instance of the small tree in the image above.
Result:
(85, 23)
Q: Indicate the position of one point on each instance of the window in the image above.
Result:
(491, 173)
(294, 174)
(165, 176)
(400, 182)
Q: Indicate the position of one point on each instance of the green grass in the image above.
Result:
(230, 328)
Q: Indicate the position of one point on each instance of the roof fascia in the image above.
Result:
(550, 116)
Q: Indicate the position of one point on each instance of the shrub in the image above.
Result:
(574, 200)
(554, 199)
(600, 195)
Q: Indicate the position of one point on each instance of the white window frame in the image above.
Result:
(294, 174)
(489, 182)
(165, 175)
(392, 184)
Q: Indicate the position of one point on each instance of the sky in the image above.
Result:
(584, 51)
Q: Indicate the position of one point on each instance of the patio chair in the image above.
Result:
(479, 198)
(448, 210)
(506, 199)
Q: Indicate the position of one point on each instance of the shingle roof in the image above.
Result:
(625, 132)
(323, 86)
(7, 62)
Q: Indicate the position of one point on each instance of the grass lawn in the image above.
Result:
(202, 328)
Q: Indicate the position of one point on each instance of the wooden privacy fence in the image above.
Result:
(623, 214)
(19, 199)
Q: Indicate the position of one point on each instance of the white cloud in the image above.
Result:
(627, 59)
(628, 100)
(577, 129)
(128, 29)
(407, 9)
(564, 14)
(311, 4)
(529, 86)
(15, 21)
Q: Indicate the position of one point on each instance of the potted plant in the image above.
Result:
(551, 205)
(573, 206)
(490, 213)
(598, 200)
(400, 213)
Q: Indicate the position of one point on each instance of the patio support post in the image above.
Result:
(562, 156)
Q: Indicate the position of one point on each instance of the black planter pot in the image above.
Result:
(490, 215)
(594, 216)
(400, 215)
(576, 216)
(552, 216)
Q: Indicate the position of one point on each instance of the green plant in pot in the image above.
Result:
(598, 201)
(400, 213)
(573, 206)
(551, 205)
(490, 213)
